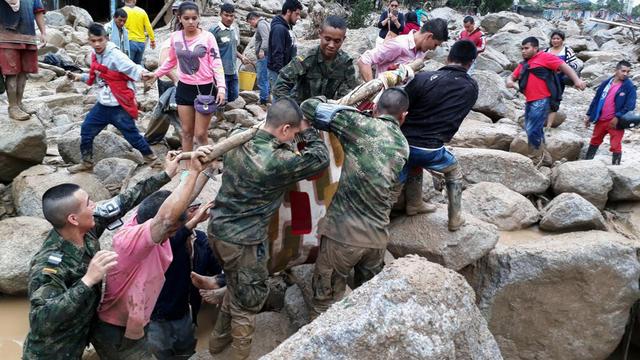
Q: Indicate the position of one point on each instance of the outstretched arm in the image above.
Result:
(168, 216)
(571, 74)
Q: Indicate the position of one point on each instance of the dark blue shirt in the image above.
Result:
(178, 292)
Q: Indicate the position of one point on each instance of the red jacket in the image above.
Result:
(117, 82)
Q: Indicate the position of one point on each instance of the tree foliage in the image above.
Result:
(360, 10)
(635, 11)
(615, 5)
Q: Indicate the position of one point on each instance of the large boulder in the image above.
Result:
(509, 43)
(515, 171)
(106, 145)
(495, 21)
(560, 297)
(499, 205)
(626, 182)
(413, 309)
(20, 238)
(22, 145)
(76, 16)
(113, 172)
(588, 178)
(427, 235)
(476, 134)
(581, 43)
(571, 212)
(492, 60)
(561, 144)
(54, 18)
(491, 96)
(30, 185)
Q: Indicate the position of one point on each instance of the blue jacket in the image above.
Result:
(625, 100)
(281, 46)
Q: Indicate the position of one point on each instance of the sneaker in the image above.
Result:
(153, 161)
(84, 166)
(18, 114)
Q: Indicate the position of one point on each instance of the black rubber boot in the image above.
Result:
(591, 152)
(615, 158)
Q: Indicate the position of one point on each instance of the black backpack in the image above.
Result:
(549, 77)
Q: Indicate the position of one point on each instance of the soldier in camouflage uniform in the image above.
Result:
(66, 272)
(354, 233)
(255, 178)
(326, 70)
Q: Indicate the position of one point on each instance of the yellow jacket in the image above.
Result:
(137, 23)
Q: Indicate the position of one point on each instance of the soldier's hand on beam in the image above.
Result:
(196, 163)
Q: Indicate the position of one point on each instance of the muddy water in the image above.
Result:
(14, 325)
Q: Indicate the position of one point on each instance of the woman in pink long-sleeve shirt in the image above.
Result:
(200, 71)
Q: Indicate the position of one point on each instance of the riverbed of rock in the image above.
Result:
(564, 295)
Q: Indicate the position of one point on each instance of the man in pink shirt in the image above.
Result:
(133, 286)
(403, 49)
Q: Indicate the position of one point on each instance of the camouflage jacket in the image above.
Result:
(255, 178)
(375, 152)
(62, 306)
(312, 76)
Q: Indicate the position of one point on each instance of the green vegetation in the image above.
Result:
(360, 10)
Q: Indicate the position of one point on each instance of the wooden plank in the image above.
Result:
(164, 9)
(613, 23)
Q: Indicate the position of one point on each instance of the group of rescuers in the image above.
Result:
(80, 294)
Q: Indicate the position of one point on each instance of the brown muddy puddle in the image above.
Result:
(14, 325)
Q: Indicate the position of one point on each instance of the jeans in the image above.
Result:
(263, 79)
(232, 87)
(110, 343)
(432, 159)
(535, 114)
(172, 339)
(101, 116)
(273, 78)
(137, 50)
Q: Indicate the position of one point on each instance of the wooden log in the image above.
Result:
(363, 92)
(58, 70)
(164, 9)
(229, 143)
(369, 89)
(613, 23)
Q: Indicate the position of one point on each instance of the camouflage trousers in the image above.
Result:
(333, 265)
(110, 343)
(245, 268)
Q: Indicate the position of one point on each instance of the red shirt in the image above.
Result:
(408, 27)
(609, 108)
(476, 37)
(537, 88)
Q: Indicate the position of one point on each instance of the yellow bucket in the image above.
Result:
(247, 80)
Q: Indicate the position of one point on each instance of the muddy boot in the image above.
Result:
(615, 158)
(221, 335)
(153, 161)
(18, 114)
(454, 195)
(546, 159)
(591, 152)
(413, 197)
(84, 166)
(241, 345)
